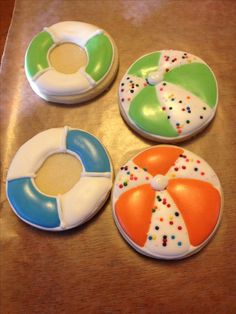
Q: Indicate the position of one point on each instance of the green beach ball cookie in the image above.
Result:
(168, 95)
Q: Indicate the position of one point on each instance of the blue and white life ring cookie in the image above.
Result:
(88, 81)
(77, 205)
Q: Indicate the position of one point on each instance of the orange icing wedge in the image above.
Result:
(199, 203)
(158, 160)
(134, 210)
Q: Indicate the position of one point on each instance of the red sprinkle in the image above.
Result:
(168, 205)
(183, 167)
(121, 186)
(171, 222)
(202, 173)
(176, 169)
(179, 228)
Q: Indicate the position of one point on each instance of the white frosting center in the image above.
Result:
(155, 77)
(159, 182)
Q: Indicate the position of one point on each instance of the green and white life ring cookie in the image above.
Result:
(88, 81)
(168, 95)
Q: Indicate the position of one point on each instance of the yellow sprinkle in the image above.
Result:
(171, 217)
(173, 175)
(191, 159)
(154, 237)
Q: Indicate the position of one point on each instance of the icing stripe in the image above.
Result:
(145, 65)
(196, 78)
(186, 112)
(100, 55)
(146, 112)
(199, 203)
(36, 55)
(31, 205)
(90, 151)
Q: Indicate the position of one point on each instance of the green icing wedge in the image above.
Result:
(196, 78)
(36, 55)
(100, 54)
(145, 110)
(145, 65)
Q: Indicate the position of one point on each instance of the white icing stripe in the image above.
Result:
(96, 174)
(75, 32)
(185, 111)
(88, 77)
(53, 82)
(84, 198)
(129, 177)
(60, 212)
(171, 59)
(193, 167)
(27, 175)
(129, 87)
(33, 153)
(167, 234)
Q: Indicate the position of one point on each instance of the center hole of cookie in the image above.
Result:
(67, 58)
(58, 174)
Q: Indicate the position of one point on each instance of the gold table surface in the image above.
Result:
(91, 269)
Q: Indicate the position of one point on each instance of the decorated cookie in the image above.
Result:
(168, 95)
(89, 80)
(77, 205)
(167, 202)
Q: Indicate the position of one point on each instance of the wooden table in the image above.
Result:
(91, 269)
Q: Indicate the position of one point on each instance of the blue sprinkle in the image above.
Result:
(179, 243)
(150, 238)
(172, 237)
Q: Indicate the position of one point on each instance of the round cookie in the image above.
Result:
(168, 95)
(77, 205)
(89, 80)
(167, 202)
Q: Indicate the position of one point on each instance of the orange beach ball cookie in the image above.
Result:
(167, 202)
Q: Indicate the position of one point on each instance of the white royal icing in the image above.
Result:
(184, 110)
(84, 199)
(76, 32)
(53, 82)
(32, 154)
(130, 86)
(189, 165)
(130, 176)
(167, 234)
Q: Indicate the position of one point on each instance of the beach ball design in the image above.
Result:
(168, 95)
(167, 202)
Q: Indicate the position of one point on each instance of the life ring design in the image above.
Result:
(167, 202)
(75, 206)
(168, 95)
(52, 85)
